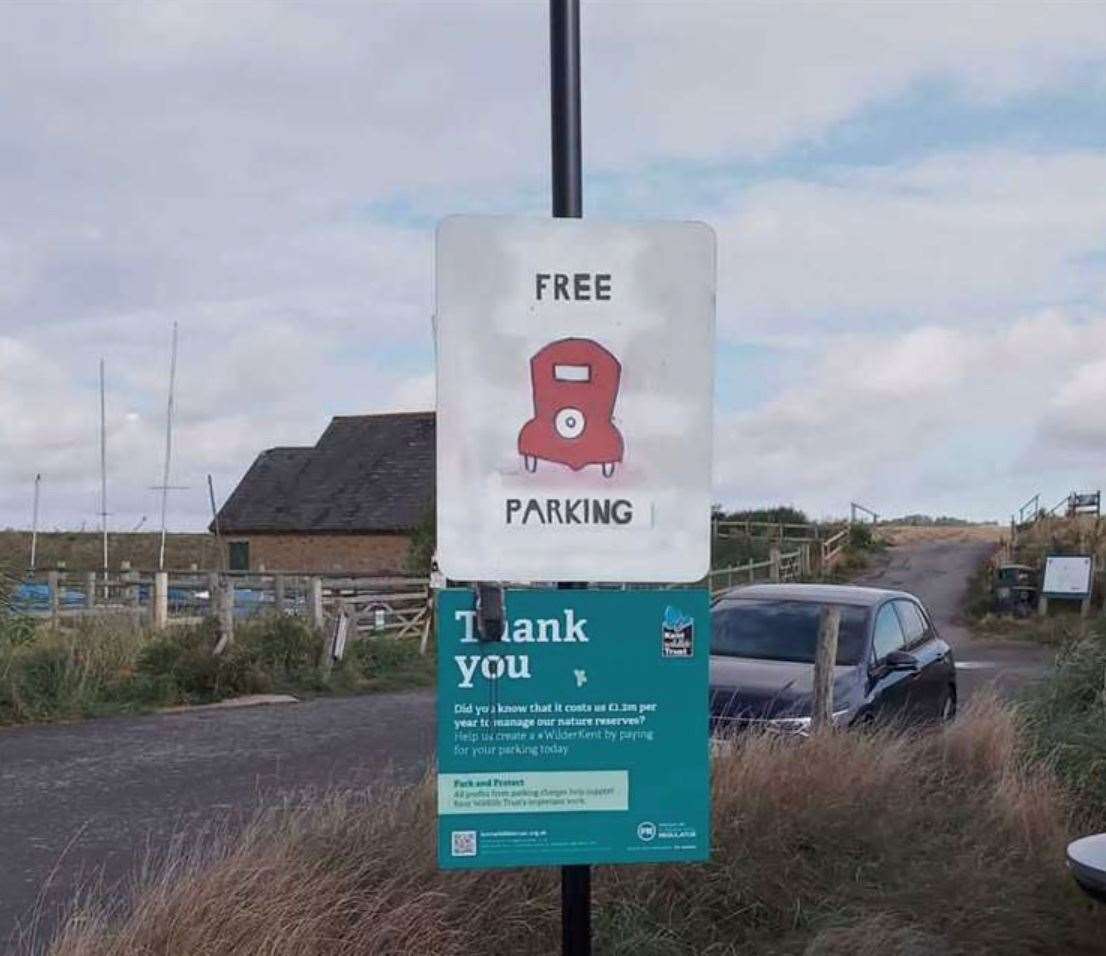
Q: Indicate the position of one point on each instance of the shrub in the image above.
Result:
(262, 654)
(1065, 717)
(979, 599)
(385, 662)
(107, 664)
(786, 514)
(420, 552)
(68, 672)
(860, 537)
(284, 646)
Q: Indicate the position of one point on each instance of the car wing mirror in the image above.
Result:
(900, 661)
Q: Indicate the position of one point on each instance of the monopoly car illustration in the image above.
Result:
(575, 386)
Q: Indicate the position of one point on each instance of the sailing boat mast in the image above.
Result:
(168, 449)
(103, 472)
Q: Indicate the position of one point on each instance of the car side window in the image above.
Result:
(888, 634)
(914, 625)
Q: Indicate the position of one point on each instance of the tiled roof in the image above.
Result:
(366, 473)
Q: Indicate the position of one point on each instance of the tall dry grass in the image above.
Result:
(886, 843)
(1084, 534)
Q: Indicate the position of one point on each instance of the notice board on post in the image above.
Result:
(581, 737)
(575, 384)
(1067, 576)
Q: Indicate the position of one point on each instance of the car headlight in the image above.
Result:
(800, 725)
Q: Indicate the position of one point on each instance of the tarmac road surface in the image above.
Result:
(81, 799)
(87, 799)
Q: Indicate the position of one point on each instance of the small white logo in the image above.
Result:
(464, 842)
(646, 831)
(581, 678)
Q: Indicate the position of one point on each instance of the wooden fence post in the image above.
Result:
(213, 594)
(774, 567)
(825, 657)
(1085, 604)
(159, 613)
(317, 602)
(52, 582)
(130, 591)
(225, 604)
(278, 589)
(90, 590)
(336, 640)
(430, 611)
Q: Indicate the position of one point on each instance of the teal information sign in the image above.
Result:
(581, 737)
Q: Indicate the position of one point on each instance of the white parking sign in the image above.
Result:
(575, 395)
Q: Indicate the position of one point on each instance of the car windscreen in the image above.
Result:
(783, 630)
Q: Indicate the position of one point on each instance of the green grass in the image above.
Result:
(1066, 720)
(108, 666)
(83, 550)
(1055, 630)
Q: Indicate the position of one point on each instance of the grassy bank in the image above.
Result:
(83, 550)
(884, 843)
(1065, 717)
(105, 666)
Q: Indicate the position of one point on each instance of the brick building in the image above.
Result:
(350, 503)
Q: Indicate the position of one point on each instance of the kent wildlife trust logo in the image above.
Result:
(677, 633)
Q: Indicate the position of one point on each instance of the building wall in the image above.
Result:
(363, 553)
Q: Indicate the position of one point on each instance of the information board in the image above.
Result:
(1067, 576)
(582, 737)
(575, 394)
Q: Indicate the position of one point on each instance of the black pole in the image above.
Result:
(576, 910)
(564, 87)
(568, 203)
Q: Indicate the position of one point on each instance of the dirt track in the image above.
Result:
(936, 566)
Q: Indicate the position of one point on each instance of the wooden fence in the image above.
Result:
(832, 548)
(780, 567)
(394, 605)
(779, 531)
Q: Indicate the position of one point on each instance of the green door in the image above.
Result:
(239, 556)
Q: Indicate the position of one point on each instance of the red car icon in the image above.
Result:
(575, 384)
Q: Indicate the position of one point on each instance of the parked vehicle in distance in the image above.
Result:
(891, 662)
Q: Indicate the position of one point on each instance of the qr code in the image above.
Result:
(464, 842)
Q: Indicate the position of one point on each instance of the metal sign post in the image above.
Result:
(575, 367)
(568, 203)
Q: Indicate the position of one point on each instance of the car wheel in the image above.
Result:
(948, 706)
(865, 720)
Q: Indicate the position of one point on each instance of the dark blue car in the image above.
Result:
(891, 662)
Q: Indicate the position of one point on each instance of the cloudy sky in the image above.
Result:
(909, 202)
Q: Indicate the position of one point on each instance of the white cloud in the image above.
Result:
(747, 78)
(971, 235)
(965, 420)
(236, 166)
